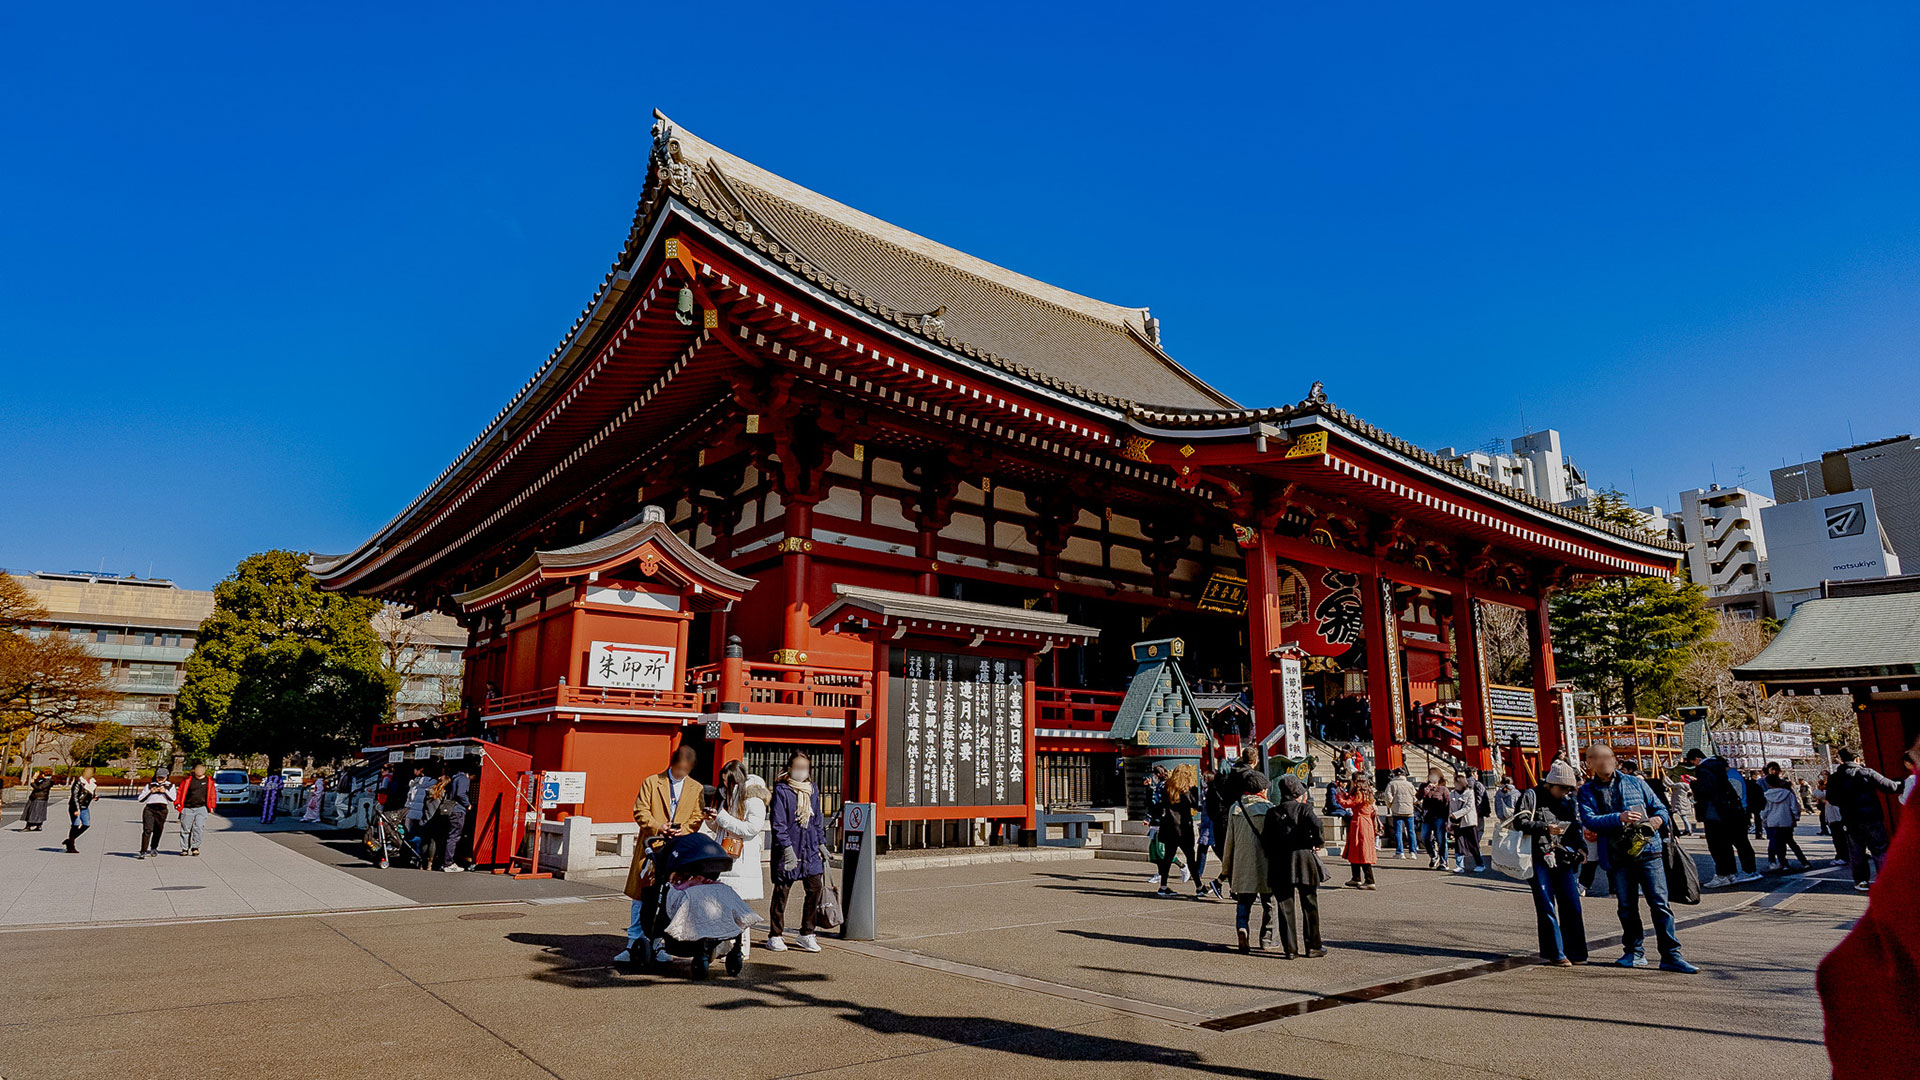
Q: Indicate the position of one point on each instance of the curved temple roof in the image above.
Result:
(1106, 355)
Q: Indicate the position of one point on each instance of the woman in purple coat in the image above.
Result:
(799, 852)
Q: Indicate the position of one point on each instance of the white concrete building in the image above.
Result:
(1890, 468)
(1536, 465)
(1727, 546)
(1827, 538)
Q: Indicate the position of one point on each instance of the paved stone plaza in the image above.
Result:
(1046, 969)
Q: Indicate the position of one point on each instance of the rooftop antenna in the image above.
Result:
(1849, 431)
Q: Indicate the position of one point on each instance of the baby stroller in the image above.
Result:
(387, 840)
(693, 914)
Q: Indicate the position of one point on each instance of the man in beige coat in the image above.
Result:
(669, 805)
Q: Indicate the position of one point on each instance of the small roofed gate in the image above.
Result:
(953, 738)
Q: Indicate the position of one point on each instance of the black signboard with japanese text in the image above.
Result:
(1225, 592)
(956, 730)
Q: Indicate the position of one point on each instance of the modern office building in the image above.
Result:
(1890, 468)
(1536, 464)
(142, 631)
(1727, 547)
(1827, 538)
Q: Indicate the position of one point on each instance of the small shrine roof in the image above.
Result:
(961, 616)
(605, 552)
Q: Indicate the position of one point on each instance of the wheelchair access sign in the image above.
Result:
(563, 789)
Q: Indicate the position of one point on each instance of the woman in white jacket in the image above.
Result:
(739, 822)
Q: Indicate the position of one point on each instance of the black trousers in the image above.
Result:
(809, 911)
(1725, 839)
(1299, 929)
(1867, 848)
(153, 822)
(1177, 839)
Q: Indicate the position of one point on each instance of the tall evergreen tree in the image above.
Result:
(1623, 639)
(281, 667)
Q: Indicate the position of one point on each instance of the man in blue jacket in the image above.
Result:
(1624, 815)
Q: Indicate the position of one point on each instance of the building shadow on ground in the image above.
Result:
(1033, 1041)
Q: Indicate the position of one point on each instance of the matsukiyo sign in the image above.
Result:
(620, 665)
(956, 730)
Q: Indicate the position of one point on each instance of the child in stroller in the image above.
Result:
(697, 916)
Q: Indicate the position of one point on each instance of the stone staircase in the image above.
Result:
(1128, 844)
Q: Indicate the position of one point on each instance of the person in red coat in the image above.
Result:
(1868, 986)
(194, 799)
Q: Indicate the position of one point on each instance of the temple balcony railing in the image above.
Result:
(565, 698)
(1063, 708)
(763, 688)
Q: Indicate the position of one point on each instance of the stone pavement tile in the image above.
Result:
(1130, 1048)
(435, 945)
(343, 853)
(373, 1034)
(787, 1013)
(1752, 1013)
(239, 872)
(117, 969)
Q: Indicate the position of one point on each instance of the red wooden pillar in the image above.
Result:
(1030, 763)
(1263, 633)
(873, 773)
(796, 564)
(924, 547)
(1385, 705)
(1476, 727)
(1546, 703)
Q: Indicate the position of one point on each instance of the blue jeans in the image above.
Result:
(1433, 838)
(1646, 874)
(1556, 911)
(1402, 831)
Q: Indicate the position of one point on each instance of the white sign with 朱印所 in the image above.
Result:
(619, 665)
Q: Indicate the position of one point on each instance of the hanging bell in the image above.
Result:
(684, 312)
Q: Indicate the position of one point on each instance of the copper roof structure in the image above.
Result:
(1082, 380)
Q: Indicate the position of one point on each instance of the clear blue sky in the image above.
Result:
(264, 269)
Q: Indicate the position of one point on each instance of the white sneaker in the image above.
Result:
(1717, 881)
(807, 943)
(1481, 869)
(777, 944)
(452, 868)
(1862, 887)
(624, 956)
(1459, 869)
(1742, 879)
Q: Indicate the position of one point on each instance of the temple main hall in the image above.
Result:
(799, 478)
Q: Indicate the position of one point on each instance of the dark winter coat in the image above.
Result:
(1291, 834)
(789, 838)
(1537, 812)
(1855, 789)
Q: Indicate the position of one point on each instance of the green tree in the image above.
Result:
(105, 742)
(1626, 639)
(1612, 506)
(51, 687)
(281, 667)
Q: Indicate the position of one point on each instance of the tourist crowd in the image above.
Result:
(1588, 826)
